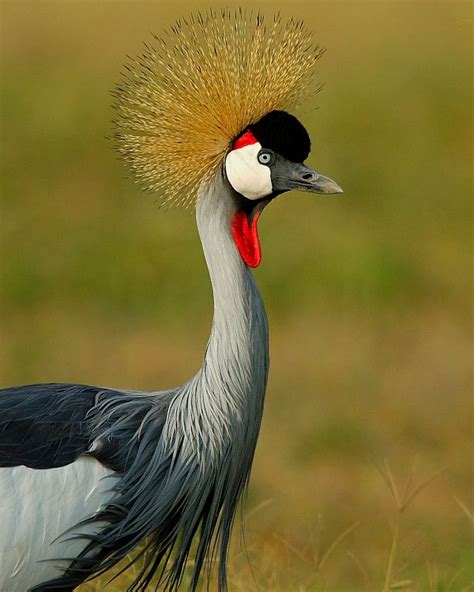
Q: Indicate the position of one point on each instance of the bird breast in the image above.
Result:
(37, 507)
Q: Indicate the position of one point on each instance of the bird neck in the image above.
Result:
(225, 397)
(236, 358)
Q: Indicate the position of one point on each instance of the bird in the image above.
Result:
(90, 475)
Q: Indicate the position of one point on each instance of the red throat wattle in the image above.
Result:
(246, 237)
(244, 232)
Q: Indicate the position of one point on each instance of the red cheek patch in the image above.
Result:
(246, 237)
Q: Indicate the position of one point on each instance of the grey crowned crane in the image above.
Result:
(91, 475)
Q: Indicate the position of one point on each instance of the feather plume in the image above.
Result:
(196, 87)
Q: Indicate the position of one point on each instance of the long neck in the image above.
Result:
(230, 277)
(235, 367)
(218, 412)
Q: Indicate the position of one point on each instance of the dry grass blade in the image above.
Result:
(433, 579)
(453, 580)
(387, 476)
(335, 543)
(291, 548)
(361, 568)
(402, 585)
(258, 508)
(416, 490)
(402, 503)
(464, 508)
(392, 484)
(393, 553)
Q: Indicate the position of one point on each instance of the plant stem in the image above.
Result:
(393, 554)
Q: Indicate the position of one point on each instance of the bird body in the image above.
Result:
(213, 421)
(47, 502)
(98, 473)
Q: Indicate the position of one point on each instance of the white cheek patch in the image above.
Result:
(246, 175)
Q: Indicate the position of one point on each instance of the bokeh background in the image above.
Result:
(368, 294)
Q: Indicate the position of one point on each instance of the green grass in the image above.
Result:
(368, 293)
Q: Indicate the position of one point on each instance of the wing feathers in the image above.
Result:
(44, 426)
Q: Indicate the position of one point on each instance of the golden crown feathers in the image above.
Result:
(196, 87)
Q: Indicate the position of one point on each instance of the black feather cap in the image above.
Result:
(283, 133)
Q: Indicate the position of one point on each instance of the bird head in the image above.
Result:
(212, 95)
(266, 160)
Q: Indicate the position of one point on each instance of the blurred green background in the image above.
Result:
(368, 294)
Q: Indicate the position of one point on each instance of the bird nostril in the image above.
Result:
(308, 176)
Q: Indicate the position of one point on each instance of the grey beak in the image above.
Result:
(318, 183)
(291, 175)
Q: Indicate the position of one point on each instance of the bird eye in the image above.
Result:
(265, 157)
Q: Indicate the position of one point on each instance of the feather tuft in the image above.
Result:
(195, 88)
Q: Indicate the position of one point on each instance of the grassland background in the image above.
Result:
(368, 294)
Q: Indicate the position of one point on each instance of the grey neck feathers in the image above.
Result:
(194, 445)
(226, 395)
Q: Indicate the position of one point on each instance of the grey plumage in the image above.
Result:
(189, 470)
(184, 455)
